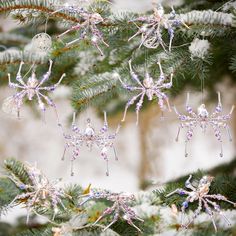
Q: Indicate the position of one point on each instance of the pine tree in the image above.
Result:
(203, 52)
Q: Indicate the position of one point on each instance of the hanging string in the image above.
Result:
(202, 89)
(146, 59)
(32, 67)
(46, 25)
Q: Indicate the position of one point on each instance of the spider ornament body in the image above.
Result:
(148, 87)
(205, 200)
(30, 89)
(203, 119)
(151, 31)
(90, 138)
(88, 29)
(40, 192)
(120, 207)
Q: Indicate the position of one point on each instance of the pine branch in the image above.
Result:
(8, 191)
(13, 39)
(15, 168)
(207, 17)
(91, 88)
(13, 56)
(232, 65)
(36, 232)
(42, 6)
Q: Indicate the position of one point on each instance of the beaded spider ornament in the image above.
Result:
(88, 29)
(30, 89)
(205, 200)
(120, 206)
(71, 8)
(148, 87)
(90, 138)
(203, 119)
(39, 192)
(151, 30)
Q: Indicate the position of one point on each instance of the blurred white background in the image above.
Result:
(147, 151)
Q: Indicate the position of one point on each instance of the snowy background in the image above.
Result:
(147, 151)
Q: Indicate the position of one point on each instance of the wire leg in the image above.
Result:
(64, 154)
(229, 134)
(136, 227)
(182, 217)
(124, 116)
(177, 136)
(73, 41)
(18, 113)
(221, 150)
(27, 216)
(107, 168)
(72, 168)
(115, 154)
(185, 149)
(67, 31)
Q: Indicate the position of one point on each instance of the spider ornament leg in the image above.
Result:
(18, 75)
(13, 85)
(180, 191)
(105, 157)
(107, 211)
(52, 87)
(94, 40)
(72, 173)
(69, 30)
(129, 103)
(46, 76)
(180, 126)
(196, 213)
(114, 136)
(115, 154)
(64, 152)
(229, 133)
(134, 75)
(18, 99)
(188, 183)
(115, 218)
(218, 210)
(105, 124)
(178, 132)
(138, 107)
(210, 213)
(130, 222)
(227, 127)
(189, 136)
(41, 106)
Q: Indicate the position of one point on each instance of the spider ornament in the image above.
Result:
(151, 30)
(120, 207)
(30, 89)
(205, 200)
(40, 192)
(203, 119)
(148, 87)
(71, 9)
(88, 29)
(90, 138)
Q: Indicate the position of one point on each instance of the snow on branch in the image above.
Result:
(207, 17)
